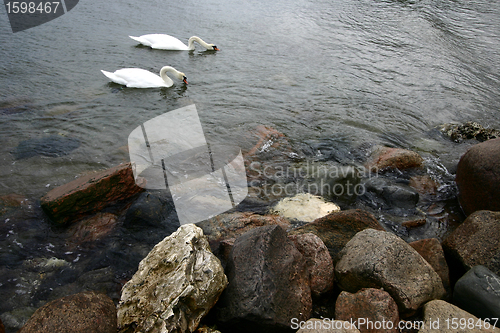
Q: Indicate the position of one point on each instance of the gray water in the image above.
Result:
(344, 73)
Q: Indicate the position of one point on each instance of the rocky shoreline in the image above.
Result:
(250, 270)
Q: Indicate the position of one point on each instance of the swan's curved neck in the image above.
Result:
(164, 76)
(199, 41)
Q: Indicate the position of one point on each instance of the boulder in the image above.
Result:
(89, 194)
(268, 283)
(379, 259)
(373, 310)
(476, 242)
(443, 317)
(385, 158)
(431, 250)
(337, 228)
(318, 261)
(478, 292)
(478, 177)
(174, 287)
(233, 225)
(80, 313)
(324, 326)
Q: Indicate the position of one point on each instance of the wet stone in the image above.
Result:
(52, 146)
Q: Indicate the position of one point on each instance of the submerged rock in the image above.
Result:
(52, 146)
(385, 158)
(268, 283)
(90, 193)
(478, 177)
(80, 313)
(379, 259)
(304, 207)
(174, 287)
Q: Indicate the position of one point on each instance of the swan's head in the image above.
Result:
(181, 76)
(215, 48)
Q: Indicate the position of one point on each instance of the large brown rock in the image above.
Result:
(337, 228)
(80, 313)
(432, 251)
(318, 260)
(372, 306)
(478, 177)
(89, 193)
(379, 259)
(476, 242)
(268, 283)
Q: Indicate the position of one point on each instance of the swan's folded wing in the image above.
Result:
(141, 40)
(114, 78)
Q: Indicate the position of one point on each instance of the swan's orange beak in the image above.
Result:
(185, 80)
(216, 48)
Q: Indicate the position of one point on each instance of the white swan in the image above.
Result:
(167, 42)
(141, 78)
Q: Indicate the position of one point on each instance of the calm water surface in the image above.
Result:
(345, 72)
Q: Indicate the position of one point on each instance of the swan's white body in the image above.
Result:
(167, 42)
(141, 78)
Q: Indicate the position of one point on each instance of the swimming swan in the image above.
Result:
(141, 78)
(167, 42)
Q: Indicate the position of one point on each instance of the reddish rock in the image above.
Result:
(80, 313)
(233, 225)
(476, 242)
(91, 229)
(2, 327)
(478, 177)
(268, 283)
(414, 223)
(89, 194)
(318, 261)
(430, 249)
(373, 305)
(385, 158)
(337, 228)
